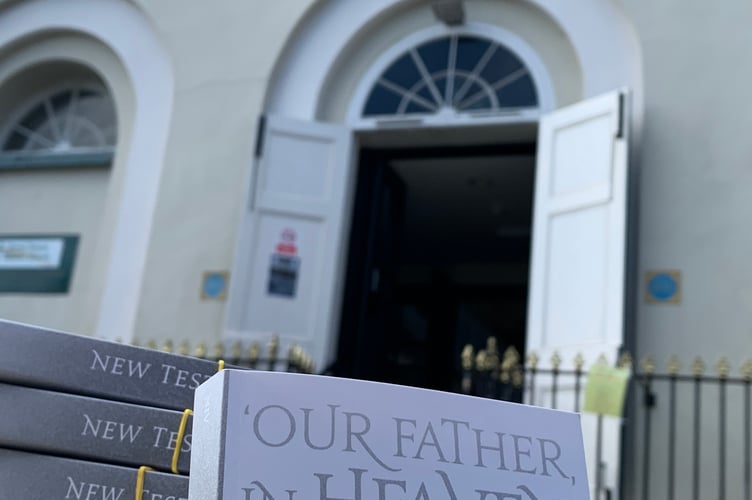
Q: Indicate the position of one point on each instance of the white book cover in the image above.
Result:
(281, 436)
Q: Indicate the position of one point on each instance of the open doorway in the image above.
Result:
(438, 258)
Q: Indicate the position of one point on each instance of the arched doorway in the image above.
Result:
(305, 178)
(311, 251)
(440, 235)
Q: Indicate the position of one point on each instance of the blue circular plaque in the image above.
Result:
(663, 286)
(214, 285)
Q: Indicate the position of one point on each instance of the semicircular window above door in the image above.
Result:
(456, 74)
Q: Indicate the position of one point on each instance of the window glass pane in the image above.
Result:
(441, 83)
(483, 103)
(416, 107)
(381, 102)
(96, 109)
(34, 119)
(61, 101)
(519, 94)
(86, 135)
(15, 141)
(435, 55)
(422, 91)
(84, 93)
(469, 52)
(502, 64)
(403, 72)
(469, 92)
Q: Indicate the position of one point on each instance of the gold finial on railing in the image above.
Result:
(184, 349)
(625, 360)
(674, 365)
(492, 354)
(167, 346)
(480, 360)
(747, 370)
(532, 360)
(466, 358)
(579, 362)
(698, 367)
(236, 350)
(293, 355)
(648, 365)
(135, 343)
(511, 358)
(556, 361)
(723, 368)
(151, 344)
(299, 355)
(306, 363)
(509, 364)
(254, 351)
(273, 347)
(219, 350)
(200, 351)
(517, 378)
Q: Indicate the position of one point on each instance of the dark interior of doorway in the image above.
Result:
(438, 258)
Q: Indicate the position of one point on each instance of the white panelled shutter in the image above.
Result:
(292, 246)
(577, 287)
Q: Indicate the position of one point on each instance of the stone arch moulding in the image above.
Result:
(122, 29)
(599, 33)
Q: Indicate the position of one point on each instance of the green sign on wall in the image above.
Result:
(37, 263)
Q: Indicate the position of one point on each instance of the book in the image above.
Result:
(26, 475)
(50, 359)
(300, 437)
(93, 429)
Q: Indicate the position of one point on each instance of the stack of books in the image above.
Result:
(84, 418)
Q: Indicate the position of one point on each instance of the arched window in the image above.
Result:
(458, 73)
(76, 122)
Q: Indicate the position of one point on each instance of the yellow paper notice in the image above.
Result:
(605, 390)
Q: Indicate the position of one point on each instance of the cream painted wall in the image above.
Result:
(223, 55)
(695, 211)
(68, 200)
(55, 201)
(695, 176)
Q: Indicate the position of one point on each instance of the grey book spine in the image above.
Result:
(208, 463)
(92, 429)
(50, 359)
(32, 476)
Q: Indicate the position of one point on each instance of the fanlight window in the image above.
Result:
(74, 120)
(465, 74)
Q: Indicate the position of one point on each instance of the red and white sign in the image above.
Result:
(286, 245)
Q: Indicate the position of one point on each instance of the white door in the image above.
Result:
(576, 302)
(290, 257)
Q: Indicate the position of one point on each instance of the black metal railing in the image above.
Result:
(685, 435)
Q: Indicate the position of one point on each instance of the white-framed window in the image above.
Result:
(70, 124)
(457, 73)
